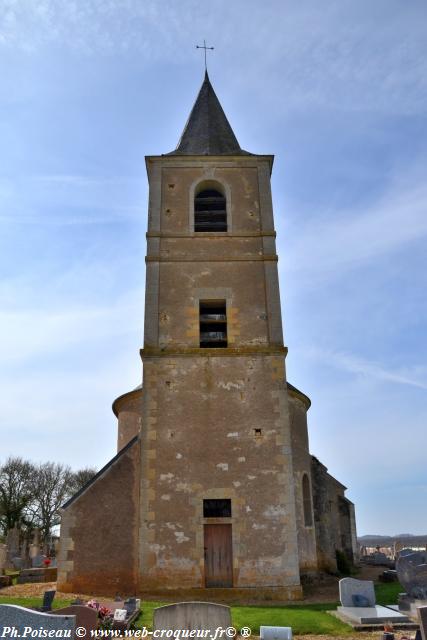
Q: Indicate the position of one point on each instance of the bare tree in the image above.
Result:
(51, 488)
(81, 477)
(16, 493)
(31, 496)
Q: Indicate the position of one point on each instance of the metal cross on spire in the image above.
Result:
(203, 46)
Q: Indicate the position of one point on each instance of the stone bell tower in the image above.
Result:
(213, 484)
(217, 505)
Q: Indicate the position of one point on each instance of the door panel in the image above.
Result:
(218, 555)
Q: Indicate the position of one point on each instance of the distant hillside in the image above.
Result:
(385, 541)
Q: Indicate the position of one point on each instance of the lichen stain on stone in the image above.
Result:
(180, 537)
(185, 487)
(223, 466)
(231, 385)
(274, 511)
(166, 477)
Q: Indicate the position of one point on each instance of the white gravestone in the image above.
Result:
(275, 633)
(350, 587)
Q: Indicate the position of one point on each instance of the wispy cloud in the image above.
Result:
(338, 241)
(68, 199)
(351, 363)
(341, 54)
(26, 334)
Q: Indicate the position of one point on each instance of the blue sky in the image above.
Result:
(337, 90)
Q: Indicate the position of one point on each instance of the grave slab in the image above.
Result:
(12, 615)
(85, 616)
(371, 615)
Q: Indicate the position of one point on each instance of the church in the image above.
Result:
(213, 486)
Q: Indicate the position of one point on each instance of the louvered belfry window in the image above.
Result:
(213, 324)
(210, 211)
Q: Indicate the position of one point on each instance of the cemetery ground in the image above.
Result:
(309, 618)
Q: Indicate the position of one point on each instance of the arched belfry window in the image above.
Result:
(306, 501)
(210, 210)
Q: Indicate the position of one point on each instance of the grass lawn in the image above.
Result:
(303, 618)
(35, 601)
(387, 592)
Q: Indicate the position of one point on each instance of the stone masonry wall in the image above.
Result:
(98, 548)
(129, 413)
(301, 460)
(201, 442)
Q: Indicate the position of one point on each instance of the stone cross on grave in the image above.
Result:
(203, 46)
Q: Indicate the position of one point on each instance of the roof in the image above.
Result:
(208, 131)
(305, 399)
(122, 396)
(100, 473)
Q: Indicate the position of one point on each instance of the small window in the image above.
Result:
(210, 212)
(213, 323)
(306, 499)
(218, 508)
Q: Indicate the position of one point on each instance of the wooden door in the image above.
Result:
(218, 555)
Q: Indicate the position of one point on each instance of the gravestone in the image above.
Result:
(24, 553)
(85, 616)
(5, 581)
(380, 558)
(18, 618)
(275, 633)
(411, 567)
(48, 598)
(349, 588)
(17, 562)
(131, 608)
(422, 616)
(37, 561)
(12, 543)
(3, 556)
(192, 616)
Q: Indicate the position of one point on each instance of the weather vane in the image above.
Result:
(203, 46)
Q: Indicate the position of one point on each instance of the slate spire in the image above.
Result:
(208, 131)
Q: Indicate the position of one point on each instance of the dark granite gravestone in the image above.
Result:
(132, 608)
(19, 619)
(5, 581)
(411, 567)
(85, 616)
(48, 598)
(422, 616)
